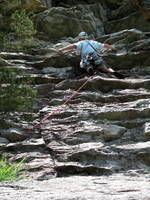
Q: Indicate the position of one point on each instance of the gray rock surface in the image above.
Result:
(118, 186)
(97, 145)
(84, 136)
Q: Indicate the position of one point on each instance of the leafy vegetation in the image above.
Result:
(22, 25)
(9, 171)
(18, 34)
(15, 91)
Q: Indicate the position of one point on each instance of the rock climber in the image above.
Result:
(89, 50)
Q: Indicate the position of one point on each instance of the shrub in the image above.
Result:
(18, 34)
(15, 91)
(22, 25)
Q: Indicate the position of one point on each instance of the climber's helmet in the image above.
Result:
(83, 36)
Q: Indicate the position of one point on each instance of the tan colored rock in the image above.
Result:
(13, 5)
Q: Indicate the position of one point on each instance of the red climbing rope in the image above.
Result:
(58, 109)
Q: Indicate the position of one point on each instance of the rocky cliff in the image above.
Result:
(105, 128)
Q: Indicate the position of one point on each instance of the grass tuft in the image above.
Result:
(9, 171)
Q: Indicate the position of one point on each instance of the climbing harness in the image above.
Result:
(117, 74)
(92, 60)
(57, 110)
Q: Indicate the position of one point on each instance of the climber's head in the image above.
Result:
(83, 36)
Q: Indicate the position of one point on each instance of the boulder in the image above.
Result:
(59, 22)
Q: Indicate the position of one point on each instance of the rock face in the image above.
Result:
(99, 132)
(104, 129)
(79, 187)
(8, 7)
(94, 17)
(60, 22)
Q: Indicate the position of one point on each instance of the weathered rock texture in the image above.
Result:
(7, 7)
(105, 128)
(131, 186)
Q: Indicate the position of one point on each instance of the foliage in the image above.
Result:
(9, 171)
(18, 33)
(15, 91)
(4, 40)
(22, 25)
